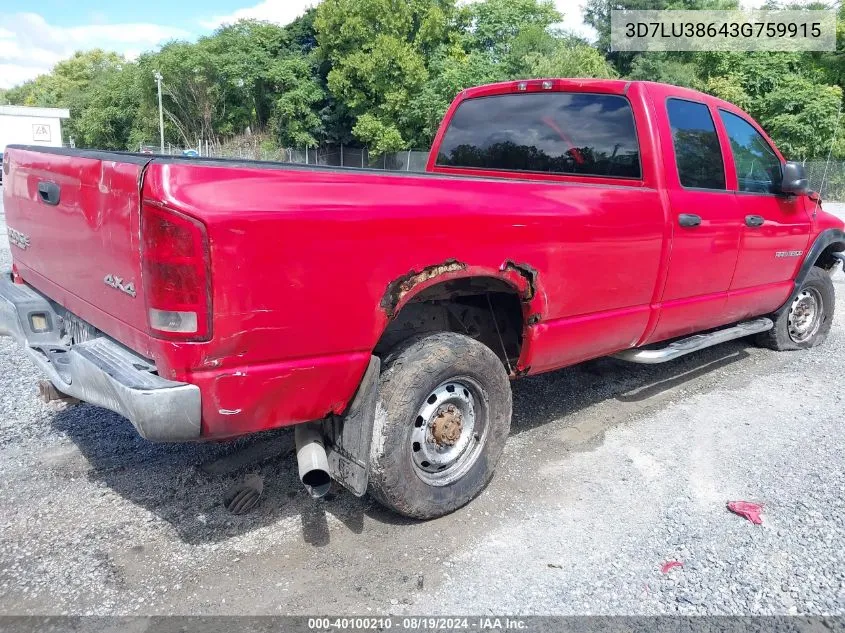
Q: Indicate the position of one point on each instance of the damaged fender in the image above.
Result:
(522, 277)
(526, 272)
(400, 287)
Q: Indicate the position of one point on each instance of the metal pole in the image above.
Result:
(158, 77)
(341, 154)
(408, 168)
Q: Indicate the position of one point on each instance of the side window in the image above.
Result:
(697, 149)
(757, 166)
(555, 132)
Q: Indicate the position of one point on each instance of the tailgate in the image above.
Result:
(73, 219)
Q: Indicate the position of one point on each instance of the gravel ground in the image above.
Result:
(611, 471)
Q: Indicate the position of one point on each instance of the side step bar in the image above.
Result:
(694, 343)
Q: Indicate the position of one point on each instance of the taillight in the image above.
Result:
(176, 274)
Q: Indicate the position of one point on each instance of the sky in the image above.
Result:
(36, 35)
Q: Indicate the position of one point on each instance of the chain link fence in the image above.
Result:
(827, 178)
(344, 156)
(168, 150)
(332, 156)
(329, 155)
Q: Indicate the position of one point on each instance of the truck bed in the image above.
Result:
(309, 265)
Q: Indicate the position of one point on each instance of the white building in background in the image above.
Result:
(24, 125)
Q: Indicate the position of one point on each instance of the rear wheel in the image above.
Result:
(442, 420)
(807, 320)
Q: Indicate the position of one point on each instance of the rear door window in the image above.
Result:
(757, 166)
(556, 132)
(697, 151)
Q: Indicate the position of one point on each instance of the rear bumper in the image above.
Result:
(100, 370)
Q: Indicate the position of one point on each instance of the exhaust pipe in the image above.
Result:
(312, 460)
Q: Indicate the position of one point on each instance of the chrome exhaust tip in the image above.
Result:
(312, 460)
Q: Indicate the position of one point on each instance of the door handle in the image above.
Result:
(689, 220)
(49, 192)
(754, 220)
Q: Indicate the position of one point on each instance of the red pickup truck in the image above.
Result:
(384, 313)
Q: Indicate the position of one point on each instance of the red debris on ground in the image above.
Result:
(669, 565)
(747, 510)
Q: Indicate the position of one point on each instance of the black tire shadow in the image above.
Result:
(538, 400)
(656, 388)
(184, 484)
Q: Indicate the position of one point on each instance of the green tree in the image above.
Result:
(396, 66)
(71, 84)
(451, 70)
(499, 25)
(802, 117)
(377, 52)
(112, 111)
(519, 37)
(785, 92)
(243, 54)
(558, 56)
(677, 69)
(596, 14)
(272, 78)
(194, 91)
(295, 120)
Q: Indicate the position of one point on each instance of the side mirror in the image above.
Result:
(793, 179)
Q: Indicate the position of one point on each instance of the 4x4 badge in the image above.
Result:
(117, 284)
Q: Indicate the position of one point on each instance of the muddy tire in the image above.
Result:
(442, 419)
(806, 321)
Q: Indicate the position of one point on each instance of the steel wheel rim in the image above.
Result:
(448, 431)
(805, 315)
